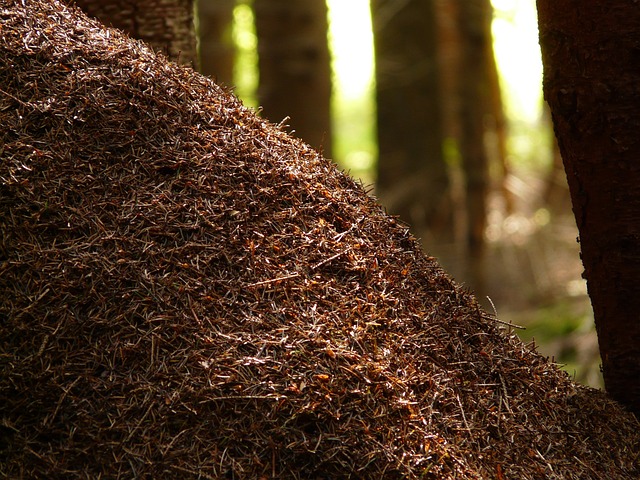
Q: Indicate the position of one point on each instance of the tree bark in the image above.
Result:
(591, 75)
(474, 79)
(166, 25)
(412, 176)
(295, 69)
(215, 32)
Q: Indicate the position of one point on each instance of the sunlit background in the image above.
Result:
(517, 54)
(351, 41)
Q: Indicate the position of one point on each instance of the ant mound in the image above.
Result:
(187, 291)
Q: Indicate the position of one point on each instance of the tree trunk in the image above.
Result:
(475, 93)
(215, 32)
(295, 70)
(497, 120)
(412, 176)
(166, 25)
(591, 76)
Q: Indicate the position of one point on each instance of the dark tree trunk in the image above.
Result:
(215, 32)
(412, 176)
(166, 25)
(295, 69)
(474, 78)
(592, 72)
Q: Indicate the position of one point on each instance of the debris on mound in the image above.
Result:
(189, 292)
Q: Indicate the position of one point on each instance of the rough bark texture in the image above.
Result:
(166, 25)
(295, 70)
(591, 57)
(412, 177)
(215, 32)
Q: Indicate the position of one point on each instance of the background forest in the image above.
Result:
(437, 108)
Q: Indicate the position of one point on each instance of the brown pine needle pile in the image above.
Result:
(186, 291)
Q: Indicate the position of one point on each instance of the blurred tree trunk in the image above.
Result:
(412, 176)
(295, 69)
(591, 78)
(215, 33)
(496, 121)
(475, 91)
(449, 60)
(166, 25)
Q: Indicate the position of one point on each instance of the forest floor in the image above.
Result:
(532, 277)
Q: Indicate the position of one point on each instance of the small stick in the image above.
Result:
(495, 317)
(327, 260)
(274, 280)
(513, 325)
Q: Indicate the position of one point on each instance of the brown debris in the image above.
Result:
(189, 292)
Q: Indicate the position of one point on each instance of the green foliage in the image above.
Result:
(558, 319)
(246, 67)
(529, 145)
(565, 332)
(354, 138)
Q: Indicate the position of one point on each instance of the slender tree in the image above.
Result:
(475, 91)
(591, 78)
(166, 25)
(295, 69)
(412, 177)
(215, 35)
(495, 114)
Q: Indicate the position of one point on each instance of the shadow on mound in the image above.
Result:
(189, 292)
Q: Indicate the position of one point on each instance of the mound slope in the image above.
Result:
(187, 291)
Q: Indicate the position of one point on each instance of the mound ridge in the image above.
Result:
(187, 291)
